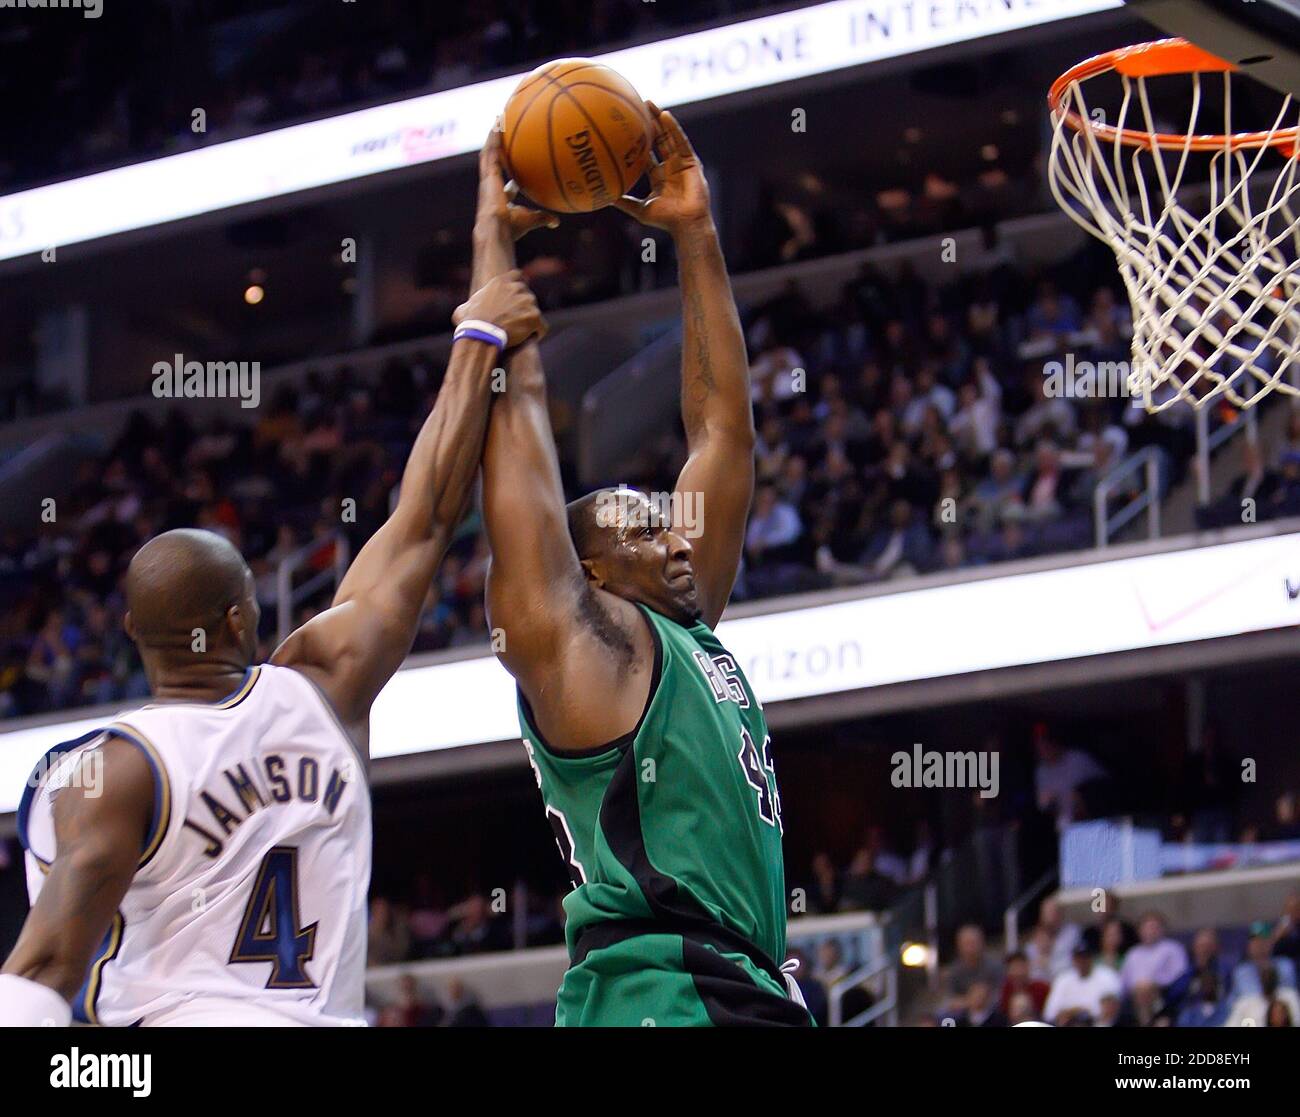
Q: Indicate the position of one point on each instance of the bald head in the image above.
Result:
(627, 546)
(185, 580)
(588, 533)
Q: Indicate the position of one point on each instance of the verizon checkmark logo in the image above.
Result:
(1162, 610)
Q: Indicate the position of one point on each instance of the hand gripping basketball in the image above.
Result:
(496, 197)
(679, 193)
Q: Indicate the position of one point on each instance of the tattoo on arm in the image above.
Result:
(702, 382)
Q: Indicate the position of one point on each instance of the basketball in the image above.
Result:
(576, 136)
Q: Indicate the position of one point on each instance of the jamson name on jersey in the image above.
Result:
(223, 808)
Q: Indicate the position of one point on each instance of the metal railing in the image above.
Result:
(1105, 523)
(287, 595)
(629, 406)
(1011, 919)
(1207, 444)
(885, 1007)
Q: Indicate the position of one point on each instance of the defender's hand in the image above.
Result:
(507, 302)
(497, 213)
(679, 194)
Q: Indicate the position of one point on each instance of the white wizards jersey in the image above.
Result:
(249, 904)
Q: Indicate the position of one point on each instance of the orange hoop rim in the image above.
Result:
(1161, 58)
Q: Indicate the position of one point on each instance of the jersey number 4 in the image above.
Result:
(756, 769)
(271, 930)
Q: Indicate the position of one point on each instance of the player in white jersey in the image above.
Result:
(248, 904)
(205, 860)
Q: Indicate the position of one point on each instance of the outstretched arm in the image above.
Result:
(533, 561)
(99, 837)
(353, 648)
(716, 411)
(581, 656)
(535, 577)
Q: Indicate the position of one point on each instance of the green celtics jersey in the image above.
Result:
(675, 828)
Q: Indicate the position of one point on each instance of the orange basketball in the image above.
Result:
(575, 136)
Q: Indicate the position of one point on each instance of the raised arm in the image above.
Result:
(539, 603)
(99, 831)
(719, 473)
(523, 498)
(535, 578)
(353, 648)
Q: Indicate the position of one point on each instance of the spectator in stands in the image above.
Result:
(1111, 1011)
(1207, 973)
(1044, 488)
(1112, 943)
(830, 962)
(972, 964)
(51, 664)
(888, 863)
(1020, 982)
(901, 548)
(1279, 1014)
(974, 426)
(1147, 1007)
(814, 992)
(774, 529)
(1052, 314)
(1059, 937)
(980, 1008)
(1038, 950)
(463, 1008)
(1253, 1009)
(1059, 774)
(1109, 902)
(998, 496)
(1286, 819)
(1284, 498)
(778, 374)
(825, 893)
(865, 888)
(1077, 992)
(474, 928)
(1021, 1010)
(923, 852)
(410, 1010)
(1247, 975)
(1109, 324)
(389, 938)
(1156, 960)
(1200, 997)
(1050, 418)
(1286, 933)
(929, 395)
(428, 922)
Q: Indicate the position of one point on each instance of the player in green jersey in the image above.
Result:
(650, 748)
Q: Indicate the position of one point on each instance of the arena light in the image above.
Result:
(1060, 613)
(914, 955)
(707, 64)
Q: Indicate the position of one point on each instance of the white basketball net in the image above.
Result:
(1215, 288)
